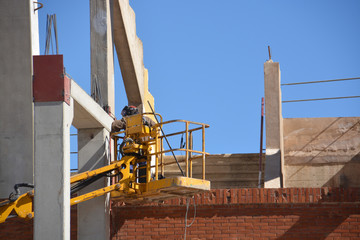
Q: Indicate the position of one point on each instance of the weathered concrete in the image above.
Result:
(129, 51)
(273, 125)
(223, 170)
(52, 122)
(94, 215)
(87, 113)
(18, 42)
(102, 57)
(322, 152)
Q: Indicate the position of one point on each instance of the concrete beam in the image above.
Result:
(19, 41)
(273, 125)
(87, 113)
(52, 124)
(129, 50)
(102, 56)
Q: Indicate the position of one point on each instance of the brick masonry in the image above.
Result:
(294, 213)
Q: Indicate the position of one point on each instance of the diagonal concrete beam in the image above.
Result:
(87, 113)
(129, 50)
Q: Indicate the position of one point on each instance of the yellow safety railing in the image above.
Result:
(156, 142)
(190, 153)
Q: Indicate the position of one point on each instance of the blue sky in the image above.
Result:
(205, 59)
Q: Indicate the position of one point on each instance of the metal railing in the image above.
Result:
(190, 153)
(156, 142)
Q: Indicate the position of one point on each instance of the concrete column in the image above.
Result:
(102, 56)
(52, 122)
(93, 215)
(18, 42)
(273, 125)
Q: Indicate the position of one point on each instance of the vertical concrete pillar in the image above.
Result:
(102, 56)
(18, 42)
(93, 215)
(273, 125)
(52, 122)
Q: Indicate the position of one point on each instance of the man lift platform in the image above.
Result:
(137, 174)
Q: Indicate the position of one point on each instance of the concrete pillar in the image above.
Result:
(273, 126)
(93, 215)
(18, 42)
(52, 122)
(102, 56)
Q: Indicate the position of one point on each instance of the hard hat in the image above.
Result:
(129, 110)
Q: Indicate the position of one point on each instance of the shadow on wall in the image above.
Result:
(348, 176)
(322, 152)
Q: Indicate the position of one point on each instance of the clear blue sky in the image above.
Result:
(205, 59)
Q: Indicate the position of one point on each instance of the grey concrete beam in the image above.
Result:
(87, 113)
(18, 43)
(273, 125)
(129, 51)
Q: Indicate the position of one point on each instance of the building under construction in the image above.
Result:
(131, 183)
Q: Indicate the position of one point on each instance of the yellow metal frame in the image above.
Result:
(22, 207)
(152, 142)
(127, 185)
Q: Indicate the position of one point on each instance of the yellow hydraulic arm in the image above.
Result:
(133, 181)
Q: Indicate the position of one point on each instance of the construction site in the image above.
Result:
(133, 180)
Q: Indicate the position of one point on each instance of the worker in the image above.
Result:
(118, 125)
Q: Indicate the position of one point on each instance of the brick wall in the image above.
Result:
(321, 213)
(311, 213)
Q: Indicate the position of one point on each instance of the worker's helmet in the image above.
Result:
(129, 110)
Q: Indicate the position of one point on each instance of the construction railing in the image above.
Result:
(155, 141)
(188, 148)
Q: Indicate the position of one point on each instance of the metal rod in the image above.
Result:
(320, 99)
(161, 158)
(178, 133)
(55, 32)
(187, 149)
(322, 81)
(179, 149)
(152, 110)
(190, 154)
(261, 141)
(203, 150)
(156, 158)
(269, 50)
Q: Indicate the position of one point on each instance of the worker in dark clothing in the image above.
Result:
(118, 125)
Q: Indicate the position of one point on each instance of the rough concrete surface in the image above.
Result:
(17, 45)
(322, 152)
(93, 216)
(129, 50)
(52, 122)
(273, 125)
(223, 170)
